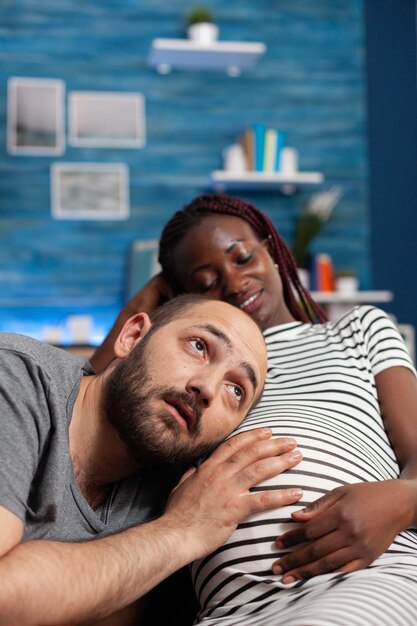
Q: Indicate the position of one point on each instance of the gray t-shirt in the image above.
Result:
(38, 387)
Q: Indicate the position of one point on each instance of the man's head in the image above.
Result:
(185, 379)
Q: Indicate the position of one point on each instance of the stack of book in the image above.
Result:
(263, 147)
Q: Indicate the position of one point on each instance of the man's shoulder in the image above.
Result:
(25, 354)
(20, 344)
(33, 348)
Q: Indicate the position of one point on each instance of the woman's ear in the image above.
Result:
(132, 332)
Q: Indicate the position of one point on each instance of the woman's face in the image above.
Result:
(222, 258)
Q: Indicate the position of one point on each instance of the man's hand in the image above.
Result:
(212, 500)
(54, 582)
(344, 530)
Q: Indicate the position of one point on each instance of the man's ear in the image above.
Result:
(132, 332)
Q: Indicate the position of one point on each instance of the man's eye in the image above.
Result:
(198, 345)
(238, 392)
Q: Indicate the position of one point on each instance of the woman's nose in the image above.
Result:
(234, 283)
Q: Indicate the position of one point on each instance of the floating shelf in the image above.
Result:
(231, 56)
(356, 297)
(287, 183)
(338, 304)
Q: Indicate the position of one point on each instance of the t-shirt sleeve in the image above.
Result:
(385, 346)
(23, 411)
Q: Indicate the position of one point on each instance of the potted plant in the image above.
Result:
(312, 219)
(200, 26)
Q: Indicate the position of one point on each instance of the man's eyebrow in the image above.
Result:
(226, 341)
(219, 334)
(251, 374)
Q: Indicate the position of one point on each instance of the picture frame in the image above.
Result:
(35, 116)
(90, 191)
(99, 119)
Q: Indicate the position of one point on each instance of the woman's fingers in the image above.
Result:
(340, 559)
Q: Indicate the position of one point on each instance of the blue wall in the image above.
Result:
(311, 82)
(392, 93)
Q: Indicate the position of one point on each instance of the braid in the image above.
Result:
(297, 298)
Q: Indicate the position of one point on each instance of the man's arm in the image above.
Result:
(52, 582)
(11, 530)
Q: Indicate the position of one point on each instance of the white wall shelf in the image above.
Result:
(338, 304)
(287, 183)
(231, 56)
(356, 297)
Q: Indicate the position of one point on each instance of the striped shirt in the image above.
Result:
(320, 389)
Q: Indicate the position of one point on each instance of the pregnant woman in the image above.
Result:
(347, 392)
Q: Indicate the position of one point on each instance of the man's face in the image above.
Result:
(187, 385)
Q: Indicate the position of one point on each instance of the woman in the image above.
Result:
(285, 298)
(347, 391)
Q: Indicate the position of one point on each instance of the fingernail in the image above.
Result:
(279, 544)
(296, 455)
(277, 569)
(297, 493)
(289, 441)
(266, 431)
(287, 580)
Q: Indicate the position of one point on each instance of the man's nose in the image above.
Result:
(204, 385)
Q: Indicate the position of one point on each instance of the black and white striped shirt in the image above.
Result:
(320, 389)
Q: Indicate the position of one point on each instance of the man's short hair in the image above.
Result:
(177, 307)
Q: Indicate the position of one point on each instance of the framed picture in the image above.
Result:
(106, 119)
(35, 116)
(90, 191)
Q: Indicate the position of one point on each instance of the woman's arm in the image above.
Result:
(352, 525)
(150, 297)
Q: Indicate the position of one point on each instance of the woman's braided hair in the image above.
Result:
(297, 298)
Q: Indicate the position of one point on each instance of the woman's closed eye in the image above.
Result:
(243, 259)
(206, 287)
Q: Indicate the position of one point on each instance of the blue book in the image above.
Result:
(259, 146)
(313, 272)
(281, 142)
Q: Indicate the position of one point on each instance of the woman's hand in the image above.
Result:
(150, 297)
(346, 529)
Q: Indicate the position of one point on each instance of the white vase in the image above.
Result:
(203, 32)
(347, 284)
(234, 159)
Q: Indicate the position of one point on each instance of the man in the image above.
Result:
(84, 457)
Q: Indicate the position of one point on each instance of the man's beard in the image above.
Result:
(135, 409)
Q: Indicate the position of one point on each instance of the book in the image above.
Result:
(259, 146)
(247, 142)
(270, 149)
(280, 144)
